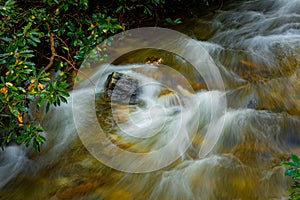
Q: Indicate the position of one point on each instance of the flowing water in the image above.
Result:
(256, 47)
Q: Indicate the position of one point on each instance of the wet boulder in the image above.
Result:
(121, 88)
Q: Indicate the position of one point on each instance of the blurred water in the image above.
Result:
(256, 46)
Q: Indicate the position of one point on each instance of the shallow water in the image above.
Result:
(256, 47)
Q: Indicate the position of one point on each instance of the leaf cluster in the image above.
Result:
(294, 172)
(42, 43)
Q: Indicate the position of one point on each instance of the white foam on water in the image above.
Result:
(11, 163)
(234, 163)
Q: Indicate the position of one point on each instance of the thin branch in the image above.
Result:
(69, 62)
(52, 51)
(36, 51)
(54, 54)
(64, 43)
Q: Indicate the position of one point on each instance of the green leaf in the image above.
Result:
(41, 101)
(37, 40)
(297, 176)
(70, 34)
(290, 172)
(27, 141)
(4, 55)
(26, 28)
(295, 159)
(27, 55)
(147, 11)
(9, 138)
(47, 107)
(19, 139)
(3, 115)
(6, 39)
(26, 51)
(2, 62)
(64, 100)
(72, 27)
(32, 42)
(169, 20)
(35, 33)
(14, 111)
(119, 9)
(178, 21)
(40, 139)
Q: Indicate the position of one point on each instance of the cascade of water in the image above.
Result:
(256, 46)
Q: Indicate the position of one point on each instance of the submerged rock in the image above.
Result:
(121, 88)
(154, 60)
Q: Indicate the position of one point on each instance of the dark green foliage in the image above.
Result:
(294, 172)
(38, 38)
(174, 22)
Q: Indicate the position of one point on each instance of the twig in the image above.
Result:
(64, 43)
(54, 54)
(52, 51)
(69, 62)
(80, 71)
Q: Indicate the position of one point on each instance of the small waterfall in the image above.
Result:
(12, 163)
(256, 47)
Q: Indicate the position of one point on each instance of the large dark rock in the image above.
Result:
(121, 88)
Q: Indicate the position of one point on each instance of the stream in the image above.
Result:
(254, 45)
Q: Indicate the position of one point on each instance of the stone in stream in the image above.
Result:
(121, 88)
(154, 60)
